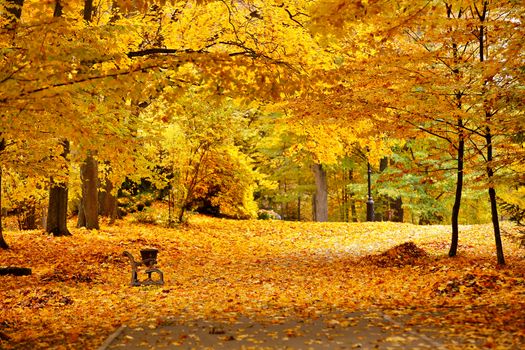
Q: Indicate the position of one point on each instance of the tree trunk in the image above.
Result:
(459, 191)
(397, 208)
(493, 203)
(14, 7)
(108, 202)
(321, 194)
(180, 217)
(57, 210)
(460, 149)
(489, 142)
(88, 10)
(299, 207)
(58, 197)
(393, 206)
(27, 219)
(88, 209)
(353, 209)
(3, 243)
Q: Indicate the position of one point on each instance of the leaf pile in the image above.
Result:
(79, 290)
(401, 255)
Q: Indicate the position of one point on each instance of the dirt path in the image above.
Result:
(358, 330)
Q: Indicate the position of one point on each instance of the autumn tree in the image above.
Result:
(13, 10)
(435, 76)
(88, 208)
(206, 169)
(56, 221)
(498, 88)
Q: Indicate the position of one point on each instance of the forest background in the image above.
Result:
(153, 110)
(227, 107)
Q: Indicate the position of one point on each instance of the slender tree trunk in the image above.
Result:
(353, 209)
(108, 202)
(344, 198)
(58, 197)
(182, 211)
(460, 150)
(489, 141)
(88, 210)
(492, 197)
(459, 190)
(299, 207)
(321, 194)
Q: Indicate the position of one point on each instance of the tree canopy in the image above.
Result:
(229, 104)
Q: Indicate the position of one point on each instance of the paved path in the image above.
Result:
(358, 330)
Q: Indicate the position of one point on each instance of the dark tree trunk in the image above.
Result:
(88, 209)
(489, 142)
(393, 206)
(344, 207)
(459, 190)
(299, 208)
(58, 199)
(493, 202)
(14, 8)
(88, 10)
(353, 209)
(321, 194)
(27, 219)
(108, 202)
(460, 149)
(397, 208)
(57, 210)
(490, 157)
(58, 9)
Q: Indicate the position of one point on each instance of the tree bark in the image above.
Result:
(299, 207)
(397, 207)
(460, 151)
(58, 9)
(88, 10)
(58, 199)
(493, 202)
(14, 8)
(27, 218)
(108, 202)
(353, 209)
(392, 206)
(489, 141)
(57, 210)
(459, 191)
(88, 209)
(321, 194)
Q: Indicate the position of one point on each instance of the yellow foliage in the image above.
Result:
(216, 268)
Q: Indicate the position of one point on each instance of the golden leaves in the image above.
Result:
(222, 268)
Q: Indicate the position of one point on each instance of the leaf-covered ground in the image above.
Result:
(223, 269)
